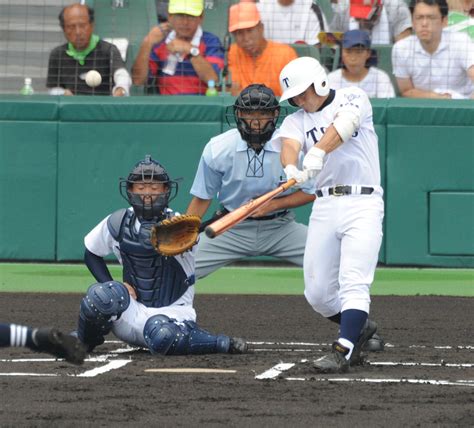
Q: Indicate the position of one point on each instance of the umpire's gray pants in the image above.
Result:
(281, 237)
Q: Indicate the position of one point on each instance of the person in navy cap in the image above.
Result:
(356, 69)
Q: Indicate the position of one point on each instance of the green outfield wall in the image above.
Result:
(61, 159)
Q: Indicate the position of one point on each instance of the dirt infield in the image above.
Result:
(432, 336)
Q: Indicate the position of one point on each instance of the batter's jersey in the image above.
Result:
(100, 242)
(355, 161)
(229, 171)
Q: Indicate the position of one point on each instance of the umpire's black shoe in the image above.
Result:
(238, 346)
(374, 344)
(335, 362)
(59, 344)
(369, 329)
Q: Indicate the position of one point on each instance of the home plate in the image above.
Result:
(189, 370)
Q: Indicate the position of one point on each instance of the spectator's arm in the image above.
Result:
(470, 73)
(402, 35)
(408, 90)
(140, 66)
(122, 83)
(201, 65)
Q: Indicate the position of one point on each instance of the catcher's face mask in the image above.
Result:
(148, 190)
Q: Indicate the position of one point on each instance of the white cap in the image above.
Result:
(27, 80)
(299, 74)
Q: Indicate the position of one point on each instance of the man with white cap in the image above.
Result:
(177, 57)
(335, 131)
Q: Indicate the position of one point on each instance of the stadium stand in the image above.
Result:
(29, 29)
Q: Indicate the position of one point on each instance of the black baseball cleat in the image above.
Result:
(238, 346)
(367, 332)
(335, 362)
(374, 344)
(59, 344)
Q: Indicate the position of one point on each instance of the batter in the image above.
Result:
(335, 131)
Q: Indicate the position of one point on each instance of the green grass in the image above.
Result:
(64, 278)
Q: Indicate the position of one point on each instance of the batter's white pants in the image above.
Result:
(344, 237)
(129, 327)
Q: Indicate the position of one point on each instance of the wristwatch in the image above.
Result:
(194, 51)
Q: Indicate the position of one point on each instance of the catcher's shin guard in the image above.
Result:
(102, 303)
(168, 337)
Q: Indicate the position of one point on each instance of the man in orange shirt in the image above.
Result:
(252, 58)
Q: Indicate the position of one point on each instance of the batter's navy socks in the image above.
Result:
(369, 329)
(335, 362)
(352, 323)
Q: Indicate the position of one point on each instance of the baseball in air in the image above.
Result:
(93, 78)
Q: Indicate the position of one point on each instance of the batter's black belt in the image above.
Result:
(270, 217)
(345, 190)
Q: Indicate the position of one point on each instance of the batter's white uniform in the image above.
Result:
(129, 327)
(345, 232)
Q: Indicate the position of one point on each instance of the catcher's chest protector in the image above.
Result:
(158, 280)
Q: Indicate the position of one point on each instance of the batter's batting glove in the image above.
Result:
(313, 161)
(292, 171)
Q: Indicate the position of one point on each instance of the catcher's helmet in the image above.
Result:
(255, 98)
(148, 207)
(299, 74)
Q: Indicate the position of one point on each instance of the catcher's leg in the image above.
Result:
(166, 336)
(102, 304)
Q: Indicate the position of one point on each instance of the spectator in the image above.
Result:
(177, 57)
(356, 69)
(252, 58)
(461, 16)
(433, 63)
(292, 21)
(85, 51)
(386, 22)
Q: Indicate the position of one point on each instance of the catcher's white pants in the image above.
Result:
(129, 327)
(344, 237)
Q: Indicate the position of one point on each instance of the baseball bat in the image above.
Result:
(244, 211)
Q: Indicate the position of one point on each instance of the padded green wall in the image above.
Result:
(61, 159)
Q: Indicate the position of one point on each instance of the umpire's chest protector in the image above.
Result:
(158, 280)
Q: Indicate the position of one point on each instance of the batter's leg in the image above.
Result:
(321, 260)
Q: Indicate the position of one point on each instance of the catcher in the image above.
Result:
(153, 306)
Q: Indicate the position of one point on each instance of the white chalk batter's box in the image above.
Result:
(122, 355)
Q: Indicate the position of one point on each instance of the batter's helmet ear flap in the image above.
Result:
(299, 74)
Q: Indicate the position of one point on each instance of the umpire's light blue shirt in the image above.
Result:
(222, 171)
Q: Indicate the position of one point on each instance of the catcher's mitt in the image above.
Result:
(175, 235)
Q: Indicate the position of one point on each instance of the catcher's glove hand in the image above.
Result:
(175, 235)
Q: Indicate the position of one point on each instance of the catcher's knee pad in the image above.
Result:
(162, 334)
(167, 337)
(104, 301)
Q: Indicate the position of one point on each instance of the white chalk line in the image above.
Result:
(401, 380)
(112, 365)
(387, 345)
(275, 371)
(104, 358)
